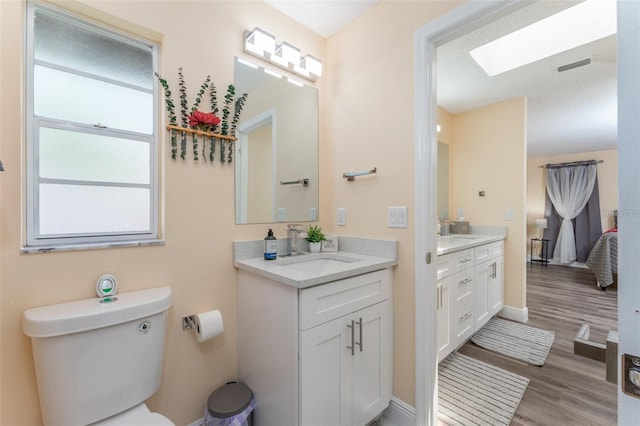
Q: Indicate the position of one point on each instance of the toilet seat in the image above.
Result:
(136, 416)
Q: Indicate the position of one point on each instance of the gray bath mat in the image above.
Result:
(515, 340)
(471, 392)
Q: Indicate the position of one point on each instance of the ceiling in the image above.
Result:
(568, 112)
(325, 17)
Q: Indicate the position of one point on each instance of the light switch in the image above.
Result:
(397, 217)
(313, 213)
(341, 217)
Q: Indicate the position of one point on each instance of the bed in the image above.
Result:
(603, 259)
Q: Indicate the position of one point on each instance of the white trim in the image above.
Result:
(199, 422)
(515, 314)
(34, 240)
(399, 413)
(459, 21)
(268, 116)
(628, 193)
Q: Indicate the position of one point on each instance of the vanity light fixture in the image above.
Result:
(263, 45)
(259, 42)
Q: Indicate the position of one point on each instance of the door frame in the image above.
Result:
(629, 195)
(469, 16)
(459, 21)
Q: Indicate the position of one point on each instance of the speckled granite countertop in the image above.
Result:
(456, 242)
(356, 256)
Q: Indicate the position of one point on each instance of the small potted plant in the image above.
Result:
(315, 237)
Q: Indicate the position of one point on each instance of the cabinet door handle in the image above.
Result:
(353, 346)
(360, 343)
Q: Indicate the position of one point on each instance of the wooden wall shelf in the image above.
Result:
(201, 132)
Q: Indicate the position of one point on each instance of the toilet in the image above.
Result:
(97, 360)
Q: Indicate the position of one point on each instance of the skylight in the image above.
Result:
(581, 24)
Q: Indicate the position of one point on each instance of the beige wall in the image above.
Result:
(488, 153)
(198, 219)
(607, 185)
(371, 100)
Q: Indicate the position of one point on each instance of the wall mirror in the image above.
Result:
(443, 181)
(277, 148)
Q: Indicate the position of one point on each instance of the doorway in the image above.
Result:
(466, 18)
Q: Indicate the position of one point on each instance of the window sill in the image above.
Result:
(90, 246)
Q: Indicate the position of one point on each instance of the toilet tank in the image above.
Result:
(95, 358)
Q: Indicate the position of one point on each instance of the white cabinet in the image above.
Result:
(454, 300)
(443, 305)
(338, 336)
(489, 298)
(469, 292)
(463, 313)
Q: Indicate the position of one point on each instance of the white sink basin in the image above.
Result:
(317, 263)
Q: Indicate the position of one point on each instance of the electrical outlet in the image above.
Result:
(341, 217)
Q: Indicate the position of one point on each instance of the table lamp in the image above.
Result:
(541, 224)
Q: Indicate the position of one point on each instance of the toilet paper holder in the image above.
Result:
(189, 322)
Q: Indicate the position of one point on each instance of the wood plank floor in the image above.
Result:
(569, 389)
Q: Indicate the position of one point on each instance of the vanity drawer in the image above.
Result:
(463, 283)
(489, 251)
(326, 302)
(463, 319)
(454, 262)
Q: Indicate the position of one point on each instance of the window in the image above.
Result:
(91, 133)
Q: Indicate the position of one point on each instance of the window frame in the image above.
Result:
(36, 242)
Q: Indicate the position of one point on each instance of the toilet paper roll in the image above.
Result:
(208, 325)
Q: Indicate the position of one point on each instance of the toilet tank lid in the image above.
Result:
(90, 314)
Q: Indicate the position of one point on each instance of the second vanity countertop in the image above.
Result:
(356, 256)
(456, 242)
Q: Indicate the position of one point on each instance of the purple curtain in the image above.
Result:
(587, 226)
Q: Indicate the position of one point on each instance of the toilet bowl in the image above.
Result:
(136, 416)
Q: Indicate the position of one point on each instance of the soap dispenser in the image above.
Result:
(270, 246)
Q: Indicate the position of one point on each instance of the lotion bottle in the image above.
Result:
(270, 246)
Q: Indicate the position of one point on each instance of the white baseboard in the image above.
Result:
(515, 314)
(399, 413)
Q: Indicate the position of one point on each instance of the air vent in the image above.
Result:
(574, 65)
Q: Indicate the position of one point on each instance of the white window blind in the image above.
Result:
(91, 133)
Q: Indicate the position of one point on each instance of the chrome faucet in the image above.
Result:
(293, 238)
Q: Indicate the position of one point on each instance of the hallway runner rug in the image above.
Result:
(471, 392)
(515, 340)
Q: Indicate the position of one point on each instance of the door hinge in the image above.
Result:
(428, 259)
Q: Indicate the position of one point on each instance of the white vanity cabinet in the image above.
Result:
(489, 293)
(469, 292)
(454, 300)
(316, 356)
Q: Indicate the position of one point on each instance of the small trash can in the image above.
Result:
(230, 405)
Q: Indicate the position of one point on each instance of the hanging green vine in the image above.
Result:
(200, 123)
(213, 97)
(234, 123)
(194, 108)
(183, 112)
(173, 119)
